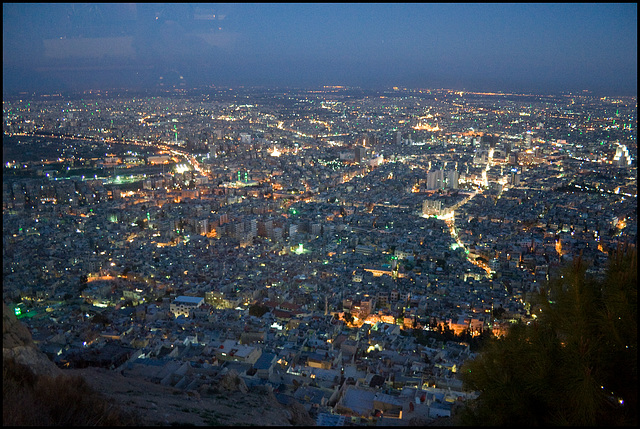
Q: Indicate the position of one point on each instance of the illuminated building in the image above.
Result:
(515, 177)
(435, 180)
(528, 139)
(452, 179)
(245, 138)
(183, 305)
(431, 207)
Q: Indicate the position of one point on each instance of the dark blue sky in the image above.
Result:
(539, 48)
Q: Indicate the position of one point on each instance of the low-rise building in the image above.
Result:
(183, 305)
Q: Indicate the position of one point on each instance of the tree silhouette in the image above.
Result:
(576, 364)
(140, 223)
(348, 317)
(499, 312)
(258, 310)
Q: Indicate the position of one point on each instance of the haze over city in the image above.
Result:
(538, 48)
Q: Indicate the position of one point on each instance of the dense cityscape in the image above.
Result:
(345, 248)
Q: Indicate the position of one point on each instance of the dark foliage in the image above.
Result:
(258, 310)
(576, 364)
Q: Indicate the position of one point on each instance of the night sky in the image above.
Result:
(538, 48)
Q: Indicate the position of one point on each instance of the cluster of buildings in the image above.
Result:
(342, 250)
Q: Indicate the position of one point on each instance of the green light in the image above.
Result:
(17, 311)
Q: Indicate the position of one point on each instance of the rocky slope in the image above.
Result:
(18, 344)
(163, 405)
(230, 402)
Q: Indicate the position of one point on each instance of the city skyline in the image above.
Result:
(538, 48)
(329, 214)
(343, 250)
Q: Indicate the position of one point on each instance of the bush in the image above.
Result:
(258, 310)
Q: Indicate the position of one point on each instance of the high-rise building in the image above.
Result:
(514, 180)
(202, 226)
(432, 207)
(528, 138)
(435, 180)
(265, 228)
(360, 153)
(238, 229)
(481, 157)
(253, 227)
(452, 179)
(622, 158)
(293, 231)
(316, 229)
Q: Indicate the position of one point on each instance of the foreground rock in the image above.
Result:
(165, 405)
(228, 402)
(17, 344)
